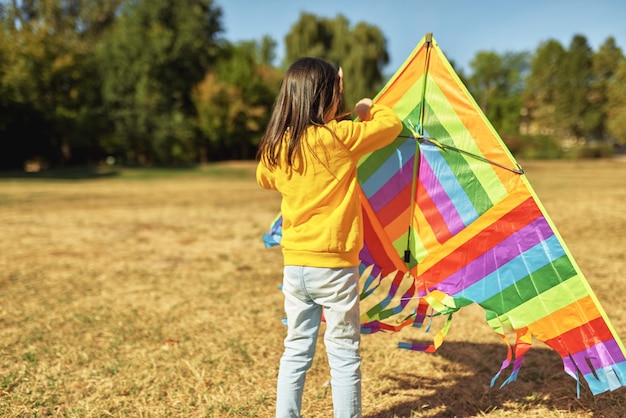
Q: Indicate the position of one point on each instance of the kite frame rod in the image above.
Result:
(432, 141)
(407, 251)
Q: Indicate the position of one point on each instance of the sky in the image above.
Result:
(461, 27)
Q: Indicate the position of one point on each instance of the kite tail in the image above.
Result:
(515, 354)
(420, 314)
(439, 302)
(388, 303)
(437, 340)
(522, 345)
(275, 234)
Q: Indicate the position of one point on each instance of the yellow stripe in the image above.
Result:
(546, 303)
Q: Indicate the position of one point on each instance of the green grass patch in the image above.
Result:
(216, 170)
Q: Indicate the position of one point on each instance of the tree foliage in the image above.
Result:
(542, 89)
(605, 66)
(153, 82)
(573, 109)
(360, 51)
(616, 104)
(157, 52)
(233, 101)
(496, 83)
(48, 74)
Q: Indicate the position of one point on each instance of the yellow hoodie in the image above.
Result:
(321, 209)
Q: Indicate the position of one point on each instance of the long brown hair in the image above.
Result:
(310, 89)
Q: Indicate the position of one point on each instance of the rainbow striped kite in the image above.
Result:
(450, 219)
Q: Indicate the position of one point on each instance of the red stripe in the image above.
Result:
(391, 210)
(375, 246)
(496, 232)
(432, 215)
(584, 336)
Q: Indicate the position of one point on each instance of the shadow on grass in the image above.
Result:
(542, 384)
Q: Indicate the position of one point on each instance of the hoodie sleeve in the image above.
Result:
(265, 177)
(366, 136)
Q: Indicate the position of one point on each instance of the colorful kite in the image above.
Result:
(450, 219)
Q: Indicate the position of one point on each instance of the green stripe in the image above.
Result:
(549, 302)
(372, 162)
(410, 101)
(531, 286)
(418, 251)
(462, 139)
(400, 243)
(408, 104)
(480, 198)
(553, 292)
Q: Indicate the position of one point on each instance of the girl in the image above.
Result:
(310, 157)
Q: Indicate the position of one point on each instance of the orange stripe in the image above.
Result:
(425, 231)
(566, 319)
(408, 76)
(398, 226)
(466, 109)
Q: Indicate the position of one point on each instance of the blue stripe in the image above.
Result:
(451, 186)
(510, 273)
(608, 378)
(389, 168)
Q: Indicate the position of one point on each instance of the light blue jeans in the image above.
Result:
(308, 291)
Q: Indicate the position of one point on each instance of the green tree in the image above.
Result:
(233, 101)
(267, 51)
(48, 76)
(573, 108)
(616, 104)
(360, 51)
(497, 83)
(364, 63)
(149, 63)
(605, 64)
(542, 90)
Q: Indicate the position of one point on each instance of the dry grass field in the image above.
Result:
(149, 294)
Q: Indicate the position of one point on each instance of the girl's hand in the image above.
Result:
(362, 109)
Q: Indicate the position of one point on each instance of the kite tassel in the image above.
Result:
(419, 316)
(437, 341)
(523, 343)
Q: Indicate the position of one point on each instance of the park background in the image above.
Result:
(153, 83)
(133, 280)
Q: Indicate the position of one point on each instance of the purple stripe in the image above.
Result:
(365, 256)
(496, 257)
(367, 260)
(517, 364)
(600, 355)
(442, 201)
(370, 327)
(395, 185)
(393, 289)
(570, 367)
